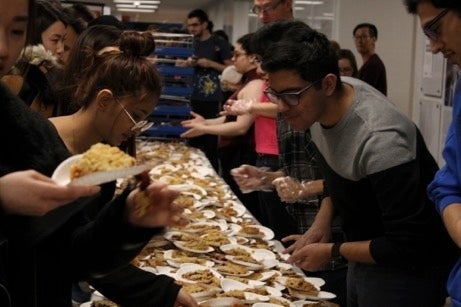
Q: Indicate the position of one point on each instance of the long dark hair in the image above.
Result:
(46, 15)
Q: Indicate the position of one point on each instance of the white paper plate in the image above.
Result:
(321, 296)
(222, 302)
(266, 233)
(187, 268)
(181, 245)
(62, 173)
(249, 265)
(226, 248)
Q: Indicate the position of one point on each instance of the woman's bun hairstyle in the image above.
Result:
(137, 44)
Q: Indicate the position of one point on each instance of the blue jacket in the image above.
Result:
(446, 187)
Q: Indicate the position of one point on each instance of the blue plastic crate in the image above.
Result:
(169, 70)
(182, 91)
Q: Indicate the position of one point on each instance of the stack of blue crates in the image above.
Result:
(174, 104)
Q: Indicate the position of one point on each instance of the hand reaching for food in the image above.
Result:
(153, 205)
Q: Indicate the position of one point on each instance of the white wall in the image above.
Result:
(395, 45)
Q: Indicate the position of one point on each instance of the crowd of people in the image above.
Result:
(307, 140)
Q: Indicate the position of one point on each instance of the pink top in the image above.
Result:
(266, 133)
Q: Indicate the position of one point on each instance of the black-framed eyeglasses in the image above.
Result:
(430, 29)
(265, 9)
(141, 125)
(289, 98)
(236, 54)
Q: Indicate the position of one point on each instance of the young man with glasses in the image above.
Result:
(441, 23)
(376, 167)
(373, 70)
(299, 168)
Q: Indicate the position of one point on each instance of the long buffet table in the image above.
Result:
(223, 257)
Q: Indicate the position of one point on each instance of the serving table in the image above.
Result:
(223, 256)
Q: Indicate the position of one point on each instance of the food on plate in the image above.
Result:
(100, 157)
(240, 294)
(245, 258)
(196, 245)
(276, 301)
(201, 276)
(201, 227)
(103, 303)
(182, 237)
(194, 288)
(215, 238)
(231, 269)
(298, 285)
(227, 211)
(238, 252)
(251, 231)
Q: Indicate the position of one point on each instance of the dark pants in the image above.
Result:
(273, 212)
(207, 143)
(372, 285)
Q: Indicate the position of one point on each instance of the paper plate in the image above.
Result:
(62, 173)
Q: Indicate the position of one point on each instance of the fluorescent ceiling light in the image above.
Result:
(141, 1)
(308, 2)
(298, 8)
(136, 10)
(133, 6)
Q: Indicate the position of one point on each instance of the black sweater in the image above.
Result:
(46, 254)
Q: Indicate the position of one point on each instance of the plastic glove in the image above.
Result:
(289, 189)
(250, 178)
(238, 107)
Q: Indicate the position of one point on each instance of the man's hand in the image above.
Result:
(248, 177)
(312, 257)
(31, 193)
(289, 189)
(317, 233)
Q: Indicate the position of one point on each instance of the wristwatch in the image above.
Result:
(335, 254)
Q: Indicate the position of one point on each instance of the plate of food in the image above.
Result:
(231, 210)
(200, 291)
(217, 238)
(100, 164)
(275, 302)
(196, 246)
(176, 258)
(301, 288)
(253, 231)
(195, 273)
(230, 269)
(246, 261)
(222, 302)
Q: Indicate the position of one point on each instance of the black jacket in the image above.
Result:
(46, 254)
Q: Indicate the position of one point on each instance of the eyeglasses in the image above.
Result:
(140, 126)
(361, 37)
(430, 29)
(261, 10)
(236, 54)
(289, 98)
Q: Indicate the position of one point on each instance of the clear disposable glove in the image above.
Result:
(289, 189)
(250, 178)
(237, 107)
